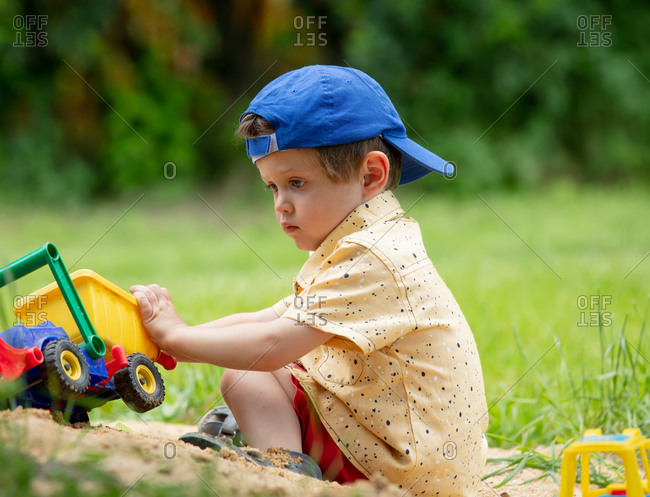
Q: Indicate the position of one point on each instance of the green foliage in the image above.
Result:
(506, 90)
(611, 396)
(108, 102)
(525, 457)
(564, 405)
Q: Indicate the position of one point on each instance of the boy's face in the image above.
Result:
(308, 204)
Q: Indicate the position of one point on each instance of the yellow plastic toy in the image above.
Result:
(58, 356)
(113, 311)
(630, 446)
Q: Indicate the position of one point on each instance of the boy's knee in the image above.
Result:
(236, 384)
(228, 380)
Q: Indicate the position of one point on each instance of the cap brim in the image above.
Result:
(417, 161)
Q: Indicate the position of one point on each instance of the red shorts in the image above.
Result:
(319, 445)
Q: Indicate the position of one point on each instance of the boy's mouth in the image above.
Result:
(288, 228)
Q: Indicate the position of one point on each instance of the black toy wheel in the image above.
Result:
(79, 417)
(140, 384)
(73, 418)
(64, 369)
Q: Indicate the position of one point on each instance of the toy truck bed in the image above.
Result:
(113, 312)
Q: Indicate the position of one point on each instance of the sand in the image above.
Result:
(134, 451)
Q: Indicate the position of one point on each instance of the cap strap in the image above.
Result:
(261, 146)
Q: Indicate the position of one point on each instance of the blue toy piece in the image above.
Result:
(75, 383)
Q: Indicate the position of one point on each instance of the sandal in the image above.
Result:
(220, 423)
(296, 462)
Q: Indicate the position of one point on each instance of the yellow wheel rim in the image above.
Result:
(71, 365)
(145, 379)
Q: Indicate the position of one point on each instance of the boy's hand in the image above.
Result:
(157, 312)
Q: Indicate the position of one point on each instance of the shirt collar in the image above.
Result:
(382, 207)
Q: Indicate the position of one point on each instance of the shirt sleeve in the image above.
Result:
(281, 307)
(356, 295)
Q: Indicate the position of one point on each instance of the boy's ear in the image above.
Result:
(375, 167)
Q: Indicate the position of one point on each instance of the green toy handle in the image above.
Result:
(49, 255)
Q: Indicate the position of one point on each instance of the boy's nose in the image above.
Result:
(282, 204)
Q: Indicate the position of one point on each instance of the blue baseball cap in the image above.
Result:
(318, 106)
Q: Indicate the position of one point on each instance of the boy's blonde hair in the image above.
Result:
(340, 162)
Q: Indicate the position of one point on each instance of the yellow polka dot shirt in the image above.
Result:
(399, 386)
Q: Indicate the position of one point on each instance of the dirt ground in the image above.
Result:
(134, 451)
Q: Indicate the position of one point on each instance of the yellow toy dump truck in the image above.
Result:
(61, 355)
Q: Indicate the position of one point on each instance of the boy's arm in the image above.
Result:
(263, 315)
(263, 345)
(243, 317)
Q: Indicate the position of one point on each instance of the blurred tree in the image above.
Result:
(515, 93)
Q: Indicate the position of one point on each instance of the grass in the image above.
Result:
(553, 283)
(610, 395)
(526, 457)
(612, 400)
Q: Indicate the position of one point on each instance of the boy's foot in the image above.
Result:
(293, 461)
(220, 423)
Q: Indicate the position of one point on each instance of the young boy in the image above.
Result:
(369, 366)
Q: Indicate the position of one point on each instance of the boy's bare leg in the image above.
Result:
(262, 403)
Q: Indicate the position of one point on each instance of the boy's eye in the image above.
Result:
(297, 183)
(271, 187)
